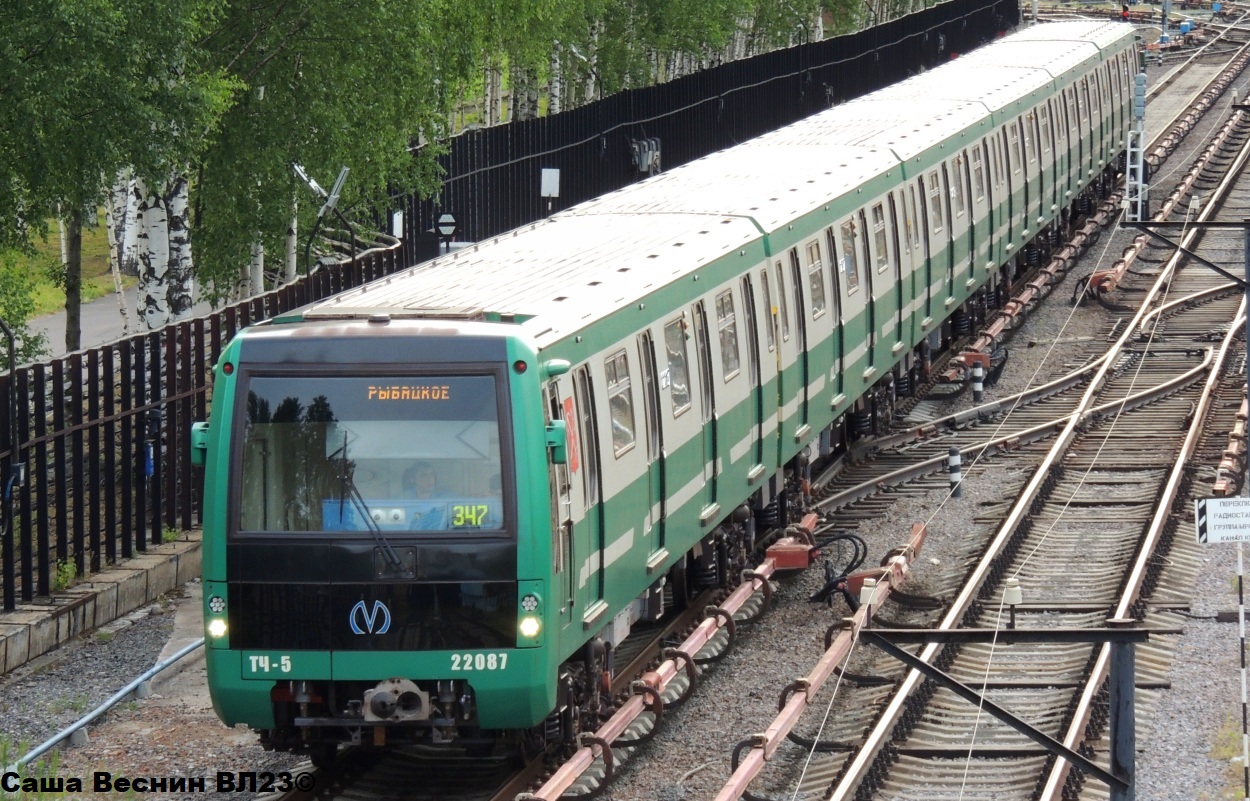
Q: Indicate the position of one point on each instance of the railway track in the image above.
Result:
(1098, 532)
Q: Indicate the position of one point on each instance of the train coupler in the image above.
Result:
(797, 550)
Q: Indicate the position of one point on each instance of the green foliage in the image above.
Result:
(64, 576)
(170, 534)
(17, 305)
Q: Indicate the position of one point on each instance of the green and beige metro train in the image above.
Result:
(435, 504)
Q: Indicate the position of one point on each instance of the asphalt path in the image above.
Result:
(101, 323)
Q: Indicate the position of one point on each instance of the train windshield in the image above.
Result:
(371, 455)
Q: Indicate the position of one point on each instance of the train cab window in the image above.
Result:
(816, 278)
(848, 262)
(727, 332)
(935, 203)
(781, 301)
(620, 402)
(879, 237)
(678, 367)
(978, 174)
(958, 200)
(769, 330)
(417, 453)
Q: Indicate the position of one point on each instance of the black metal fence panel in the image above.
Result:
(104, 434)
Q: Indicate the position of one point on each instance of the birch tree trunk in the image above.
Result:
(524, 95)
(556, 86)
(166, 291)
(256, 276)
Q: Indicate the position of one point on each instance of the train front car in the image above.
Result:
(366, 571)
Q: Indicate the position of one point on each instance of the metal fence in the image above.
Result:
(104, 434)
(494, 174)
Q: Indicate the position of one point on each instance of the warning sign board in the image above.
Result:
(1222, 520)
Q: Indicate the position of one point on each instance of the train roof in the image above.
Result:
(557, 276)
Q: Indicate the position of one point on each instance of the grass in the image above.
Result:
(1227, 746)
(65, 574)
(96, 278)
(170, 534)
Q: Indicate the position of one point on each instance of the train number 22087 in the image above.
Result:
(479, 661)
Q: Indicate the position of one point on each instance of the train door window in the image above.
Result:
(750, 315)
(1043, 118)
(1082, 100)
(917, 224)
(1069, 96)
(848, 263)
(958, 199)
(831, 247)
(678, 367)
(816, 278)
(781, 301)
(978, 175)
(1056, 115)
(1014, 152)
(620, 402)
(1028, 125)
(770, 333)
(727, 332)
(935, 203)
(650, 394)
(704, 354)
(590, 442)
(905, 241)
(879, 237)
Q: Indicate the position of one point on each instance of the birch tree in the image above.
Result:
(93, 87)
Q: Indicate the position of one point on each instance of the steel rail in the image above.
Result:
(657, 681)
(881, 731)
(1038, 432)
(1058, 775)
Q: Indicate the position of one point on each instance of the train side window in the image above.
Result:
(769, 311)
(879, 237)
(978, 174)
(590, 442)
(678, 367)
(957, 188)
(727, 330)
(847, 263)
(935, 202)
(816, 278)
(781, 301)
(620, 402)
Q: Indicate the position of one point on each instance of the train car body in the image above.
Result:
(613, 400)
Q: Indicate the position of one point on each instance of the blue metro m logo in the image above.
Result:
(363, 620)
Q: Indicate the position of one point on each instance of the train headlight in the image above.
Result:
(216, 604)
(530, 626)
(217, 627)
(530, 602)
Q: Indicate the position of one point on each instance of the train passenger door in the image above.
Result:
(656, 489)
(564, 576)
(707, 403)
(754, 379)
(800, 325)
(590, 570)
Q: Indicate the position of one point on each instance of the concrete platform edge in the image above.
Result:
(37, 628)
